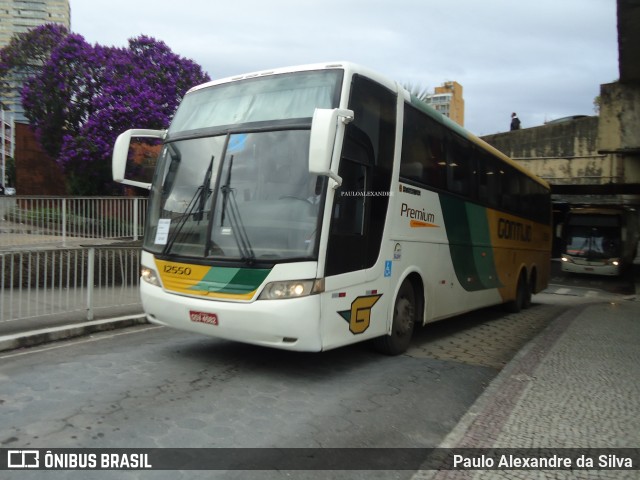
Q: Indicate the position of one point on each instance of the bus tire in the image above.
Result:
(404, 320)
(522, 293)
(530, 287)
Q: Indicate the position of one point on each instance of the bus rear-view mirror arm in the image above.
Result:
(121, 154)
(327, 133)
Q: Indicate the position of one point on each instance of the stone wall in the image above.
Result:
(620, 117)
(573, 138)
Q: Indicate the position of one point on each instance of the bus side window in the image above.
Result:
(348, 209)
(422, 156)
(460, 177)
(437, 176)
(366, 164)
(489, 176)
(510, 190)
(415, 150)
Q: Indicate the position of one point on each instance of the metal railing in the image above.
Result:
(69, 220)
(65, 257)
(78, 280)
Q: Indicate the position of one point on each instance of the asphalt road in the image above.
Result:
(621, 285)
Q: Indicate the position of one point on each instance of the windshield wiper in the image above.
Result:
(199, 199)
(237, 227)
(200, 193)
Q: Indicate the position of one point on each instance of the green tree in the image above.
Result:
(597, 102)
(10, 171)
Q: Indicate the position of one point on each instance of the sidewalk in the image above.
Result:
(37, 330)
(30, 332)
(574, 386)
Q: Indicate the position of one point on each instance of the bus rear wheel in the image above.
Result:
(523, 296)
(404, 320)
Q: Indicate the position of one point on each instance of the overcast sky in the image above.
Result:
(543, 59)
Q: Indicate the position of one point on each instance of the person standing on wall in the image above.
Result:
(515, 121)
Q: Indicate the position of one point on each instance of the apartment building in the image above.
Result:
(447, 99)
(17, 16)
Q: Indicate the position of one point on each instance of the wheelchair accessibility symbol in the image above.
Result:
(387, 268)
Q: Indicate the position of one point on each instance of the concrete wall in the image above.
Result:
(561, 153)
(568, 139)
(620, 117)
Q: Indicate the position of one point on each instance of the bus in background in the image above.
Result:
(313, 207)
(600, 241)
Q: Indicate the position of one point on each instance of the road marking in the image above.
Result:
(72, 341)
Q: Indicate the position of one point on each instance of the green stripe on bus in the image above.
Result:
(467, 225)
(232, 280)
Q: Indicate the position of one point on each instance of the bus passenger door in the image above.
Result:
(355, 307)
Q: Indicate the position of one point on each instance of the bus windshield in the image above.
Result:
(244, 196)
(233, 182)
(594, 241)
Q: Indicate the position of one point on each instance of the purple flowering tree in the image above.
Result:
(85, 95)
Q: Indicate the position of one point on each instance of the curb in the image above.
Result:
(39, 337)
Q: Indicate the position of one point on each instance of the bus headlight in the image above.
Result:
(566, 259)
(614, 261)
(291, 289)
(150, 276)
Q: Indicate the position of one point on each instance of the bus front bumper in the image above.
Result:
(290, 324)
(578, 265)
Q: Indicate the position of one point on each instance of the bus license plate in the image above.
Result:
(203, 317)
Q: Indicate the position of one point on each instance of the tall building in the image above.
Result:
(18, 16)
(7, 143)
(447, 99)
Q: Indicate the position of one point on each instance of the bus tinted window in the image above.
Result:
(375, 115)
(436, 157)
(366, 164)
(510, 189)
(423, 159)
(460, 171)
(348, 211)
(489, 178)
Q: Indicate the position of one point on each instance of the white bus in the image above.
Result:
(313, 207)
(599, 240)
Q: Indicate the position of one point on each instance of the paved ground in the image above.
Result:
(487, 337)
(575, 386)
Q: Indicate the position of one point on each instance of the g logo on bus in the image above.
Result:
(359, 317)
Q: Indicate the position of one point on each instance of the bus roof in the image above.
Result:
(277, 71)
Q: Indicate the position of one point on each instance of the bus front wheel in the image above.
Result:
(404, 320)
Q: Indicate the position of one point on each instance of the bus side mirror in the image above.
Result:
(327, 126)
(124, 161)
